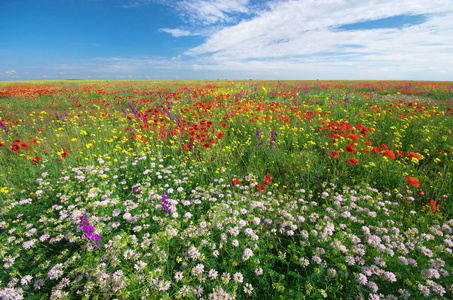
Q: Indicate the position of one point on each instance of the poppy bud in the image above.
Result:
(420, 193)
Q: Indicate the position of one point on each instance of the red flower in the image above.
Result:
(266, 181)
(15, 148)
(64, 153)
(334, 153)
(376, 150)
(350, 149)
(416, 155)
(35, 160)
(269, 176)
(352, 161)
(368, 143)
(185, 146)
(220, 135)
(389, 153)
(401, 153)
(1, 143)
(206, 145)
(24, 145)
(353, 137)
(434, 205)
(261, 187)
(235, 181)
(413, 181)
(16, 141)
(224, 125)
(364, 150)
(35, 142)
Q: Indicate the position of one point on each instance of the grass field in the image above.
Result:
(226, 190)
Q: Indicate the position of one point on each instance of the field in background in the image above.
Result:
(155, 187)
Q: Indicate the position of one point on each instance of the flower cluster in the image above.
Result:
(89, 231)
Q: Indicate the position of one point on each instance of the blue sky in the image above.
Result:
(226, 39)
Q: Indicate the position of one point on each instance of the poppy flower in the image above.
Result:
(15, 148)
(206, 145)
(353, 137)
(269, 176)
(235, 181)
(64, 153)
(350, 149)
(220, 135)
(261, 187)
(185, 146)
(35, 142)
(401, 153)
(376, 150)
(266, 181)
(352, 161)
(24, 145)
(16, 141)
(368, 143)
(412, 181)
(365, 150)
(1, 143)
(334, 153)
(434, 205)
(389, 153)
(35, 160)
(224, 125)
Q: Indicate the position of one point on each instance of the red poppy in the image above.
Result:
(365, 150)
(185, 146)
(269, 176)
(24, 145)
(224, 125)
(41, 130)
(209, 124)
(389, 153)
(235, 181)
(416, 155)
(434, 205)
(401, 153)
(15, 148)
(376, 150)
(35, 142)
(353, 137)
(412, 181)
(35, 160)
(350, 149)
(334, 153)
(206, 145)
(64, 153)
(220, 135)
(368, 143)
(266, 181)
(16, 141)
(352, 161)
(1, 143)
(261, 187)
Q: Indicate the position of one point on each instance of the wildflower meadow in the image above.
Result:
(226, 190)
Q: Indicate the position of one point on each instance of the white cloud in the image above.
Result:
(211, 11)
(11, 72)
(177, 32)
(297, 34)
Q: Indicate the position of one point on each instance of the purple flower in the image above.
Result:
(165, 203)
(89, 230)
(272, 140)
